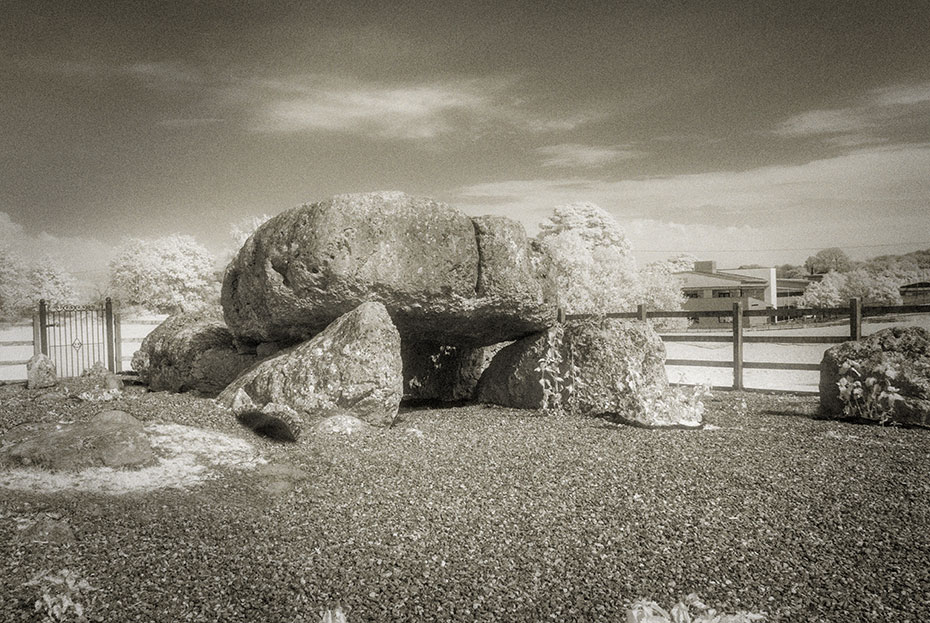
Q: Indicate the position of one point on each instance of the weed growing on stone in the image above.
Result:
(559, 378)
(872, 397)
(61, 595)
(689, 610)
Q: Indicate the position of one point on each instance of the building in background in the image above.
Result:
(915, 293)
(708, 289)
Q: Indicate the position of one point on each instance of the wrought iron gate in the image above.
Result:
(76, 337)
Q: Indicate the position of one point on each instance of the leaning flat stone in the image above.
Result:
(109, 439)
(352, 367)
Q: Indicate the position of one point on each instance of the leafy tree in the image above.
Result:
(824, 261)
(21, 286)
(872, 288)
(242, 229)
(789, 271)
(164, 275)
(828, 292)
(681, 263)
(596, 272)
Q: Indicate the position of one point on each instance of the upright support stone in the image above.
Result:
(855, 318)
(737, 346)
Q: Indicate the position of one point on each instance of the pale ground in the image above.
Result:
(778, 353)
(185, 456)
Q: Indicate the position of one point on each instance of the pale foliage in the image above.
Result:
(825, 293)
(242, 229)
(21, 286)
(164, 275)
(595, 271)
(880, 287)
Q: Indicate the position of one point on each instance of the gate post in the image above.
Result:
(43, 326)
(855, 318)
(108, 313)
(737, 346)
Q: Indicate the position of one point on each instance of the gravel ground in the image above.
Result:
(487, 514)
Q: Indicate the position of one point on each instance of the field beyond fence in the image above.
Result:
(781, 356)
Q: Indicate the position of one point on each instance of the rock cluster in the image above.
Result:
(346, 306)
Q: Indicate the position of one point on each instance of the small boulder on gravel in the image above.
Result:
(109, 439)
(41, 372)
(442, 276)
(190, 351)
(884, 376)
(353, 367)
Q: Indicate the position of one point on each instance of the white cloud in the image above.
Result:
(876, 196)
(823, 122)
(873, 111)
(574, 155)
(423, 110)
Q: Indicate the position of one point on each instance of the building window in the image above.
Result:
(721, 294)
(693, 295)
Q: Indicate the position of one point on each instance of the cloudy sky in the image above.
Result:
(741, 131)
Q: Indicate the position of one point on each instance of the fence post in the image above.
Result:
(737, 346)
(855, 318)
(43, 326)
(118, 341)
(641, 310)
(560, 316)
(108, 314)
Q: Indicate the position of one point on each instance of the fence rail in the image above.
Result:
(855, 312)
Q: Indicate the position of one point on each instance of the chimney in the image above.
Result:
(708, 266)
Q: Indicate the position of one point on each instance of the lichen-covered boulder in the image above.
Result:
(41, 372)
(109, 439)
(352, 367)
(190, 351)
(442, 276)
(885, 376)
(616, 369)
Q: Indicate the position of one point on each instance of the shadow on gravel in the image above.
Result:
(267, 425)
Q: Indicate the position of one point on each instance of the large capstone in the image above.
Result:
(615, 369)
(885, 376)
(190, 351)
(442, 276)
(353, 367)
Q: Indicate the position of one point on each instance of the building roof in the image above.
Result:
(913, 286)
(695, 279)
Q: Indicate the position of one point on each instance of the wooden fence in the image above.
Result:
(855, 311)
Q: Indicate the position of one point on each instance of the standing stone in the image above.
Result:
(41, 372)
(353, 367)
(190, 351)
(616, 368)
(898, 357)
(442, 276)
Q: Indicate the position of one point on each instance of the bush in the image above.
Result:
(164, 275)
